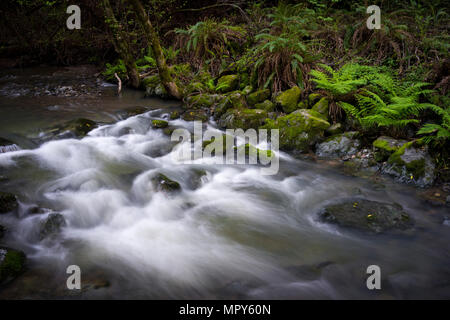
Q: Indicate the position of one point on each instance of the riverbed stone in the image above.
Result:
(258, 96)
(8, 202)
(242, 119)
(195, 115)
(52, 225)
(12, 263)
(299, 130)
(385, 146)
(159, 124)
(77, 128)
(163, 183)
(412, 164)
(367, 215)
(288, 99)
(339, 145)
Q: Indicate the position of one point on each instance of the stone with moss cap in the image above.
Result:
(313, 98)
(159, 124)
(227, 83)
(385, 146)
(322, 107)
(288, 99)
(299, 130)
(258, 96)
(202, 100)
(12, 263)
(411, 163)
(162, 183)
(195, 115)
(266, 105)
(242, 119)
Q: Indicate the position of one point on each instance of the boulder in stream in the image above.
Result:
(339, 145)
(52, 225)
(12, 263)
(162, 183)
(7, 146)
(8, 202)
(367, 215)
(77, 128)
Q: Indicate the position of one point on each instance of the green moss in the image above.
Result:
(299, 130)
(250, 149)
(227, 83)
(266, 105)
(415, 167)
(12, 263)
(321, 107)
(313, 98)
(201, 100)
(258, 96)
(159, 124)
(243, 119)
(288, 99)
(162, 183)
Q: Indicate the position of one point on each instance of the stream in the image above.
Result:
(230, 233)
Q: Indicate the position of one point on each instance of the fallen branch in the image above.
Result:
(119, 85)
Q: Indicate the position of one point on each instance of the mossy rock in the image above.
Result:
(322, 107)
(299, 130)
(411, 163)
(8, 202)
(368, 215)
(384, 147)
(195, 115)
(313, 98)
(202, 100)
(131, 112)
(227, 83)
(266, 105)
(247, 90)
(220, 147)
(12, 264)
(162, 183)
(302, 105)
(258, 96)
(196, 87)
(52, 225)
(159, 124)
(242, 119)
(221, 107)
(153, 87)
(237, 100)
(77, 128)
(174, 115)
(249, 149)
(335, 129)
(288, 99)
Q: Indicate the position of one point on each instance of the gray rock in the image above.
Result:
(52, 225)
(338, 146)
(7, 146)
(367, 215)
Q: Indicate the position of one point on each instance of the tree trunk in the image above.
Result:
(120, 44)
(152, 37)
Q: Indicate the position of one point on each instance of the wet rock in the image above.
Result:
(227, 83)
(52, 225)
(242, 118)
(12, 264)
(322, 107)
(411, 164)
(299, 130)
(2, 231)
(195, 115)
(159, 124)
(163, 183)
(203, 100)
(339, 145)
(258, 96)
(154, 88)
(8, 202)
(288, 99)
(367, 216)
(77, 128)
(266, 105)
(174, 115)
(131, 112)
(385, 146)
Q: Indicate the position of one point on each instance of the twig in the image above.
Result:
(119, 87)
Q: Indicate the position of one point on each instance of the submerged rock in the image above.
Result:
(77, 128)
(163, 183)
(8, 202)
(131, 112)
(367, 215)
(288, 99)
(411, 164)
(52, 225)
(12, 264)
(299, 130)
(339, 145)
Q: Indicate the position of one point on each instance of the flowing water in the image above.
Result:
(230, 233)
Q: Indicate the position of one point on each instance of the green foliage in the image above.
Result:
(111, 69)
(437, 133)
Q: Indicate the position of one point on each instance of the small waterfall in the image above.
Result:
(9, 148)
